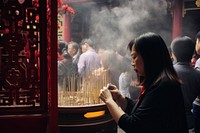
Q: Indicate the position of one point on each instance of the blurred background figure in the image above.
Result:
(134, 88)
(62, 48)
(197, 48)
(182, 53)
(67, 69)
(89, 60)
(196, 103)
(125, 78)
(73, 50)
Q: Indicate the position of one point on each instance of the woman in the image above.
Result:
(160, 107)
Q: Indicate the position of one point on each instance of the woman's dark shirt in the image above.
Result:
(159, 110)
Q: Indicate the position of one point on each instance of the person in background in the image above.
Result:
(64, 71)
(197, 48)
(67, 69)
(125, 78)
(89, 60)
(182, 52)
(62, 48)
(195, 57)
(196, 103)
(73, 48)
(134, 88)
(118, 69)
(160, 107)
(110, 62)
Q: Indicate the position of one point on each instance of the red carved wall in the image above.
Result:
(26, 65)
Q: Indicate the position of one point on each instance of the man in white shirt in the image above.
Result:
(89, 60)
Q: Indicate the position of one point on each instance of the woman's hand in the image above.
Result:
(105, 95)
(117, 96)
(111, 92)
(114, 91)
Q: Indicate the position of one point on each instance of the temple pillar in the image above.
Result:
(177, 18)
(67, 27)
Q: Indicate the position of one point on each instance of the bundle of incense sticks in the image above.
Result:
(83, 91)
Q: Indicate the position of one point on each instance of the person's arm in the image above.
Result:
(117, 96)
(112, 106)
(114, 110)
(121, 102)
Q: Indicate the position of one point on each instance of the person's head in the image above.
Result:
(62, 46)
(72, 48)
(67, 56)
(151, 59)
(182, 49)
(197, 48)
(86, 44)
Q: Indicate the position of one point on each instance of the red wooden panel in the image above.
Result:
(22, 38)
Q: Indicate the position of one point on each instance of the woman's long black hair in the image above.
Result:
(157, 62)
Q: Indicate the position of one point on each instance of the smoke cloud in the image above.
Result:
(114, 27)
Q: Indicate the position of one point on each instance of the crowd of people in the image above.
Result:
(158, 91)
(169, 98)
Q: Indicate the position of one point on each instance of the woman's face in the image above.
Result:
(137, 62)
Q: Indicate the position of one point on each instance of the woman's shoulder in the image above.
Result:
(165, 88)
(168, 84)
